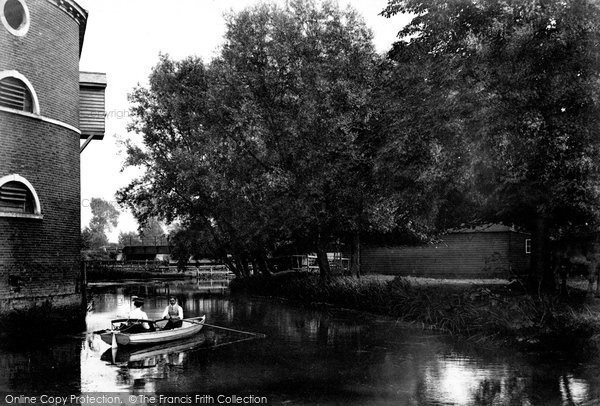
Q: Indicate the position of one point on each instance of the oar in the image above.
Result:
(191, 320)
(236, 331)
(229, 343)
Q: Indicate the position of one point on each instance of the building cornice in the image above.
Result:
(77, 13)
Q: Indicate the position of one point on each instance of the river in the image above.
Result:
(306, 356)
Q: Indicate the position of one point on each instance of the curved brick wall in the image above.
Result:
(39, 258)
(48, 55)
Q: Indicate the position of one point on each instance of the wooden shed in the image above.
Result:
(487, 251)
(145, 252)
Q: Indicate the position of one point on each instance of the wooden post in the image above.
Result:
(84, 274)
(84, 286)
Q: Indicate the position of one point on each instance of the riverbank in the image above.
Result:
(499, 312)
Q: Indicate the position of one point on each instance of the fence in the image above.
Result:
(112, 266)
(147, 241)
(308, 263)
(99, 268)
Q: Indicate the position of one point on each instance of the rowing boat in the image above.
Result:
(118, 335)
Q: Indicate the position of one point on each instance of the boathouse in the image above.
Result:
(487, 251)
(146, 252)
(46, 107)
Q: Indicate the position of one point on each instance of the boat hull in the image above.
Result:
(189, 328)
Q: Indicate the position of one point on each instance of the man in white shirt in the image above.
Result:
(174, 313)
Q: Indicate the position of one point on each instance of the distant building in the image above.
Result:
(146, 252)
(488, 251)
(46, 107)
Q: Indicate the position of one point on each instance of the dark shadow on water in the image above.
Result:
(39, 327)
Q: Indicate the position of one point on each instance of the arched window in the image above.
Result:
(15, 197)
(15, 16)
(17, 93)
(18, 197)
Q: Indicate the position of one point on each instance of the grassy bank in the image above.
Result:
(475, 312)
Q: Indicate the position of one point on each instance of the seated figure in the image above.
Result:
(174, 313)
(133, 327)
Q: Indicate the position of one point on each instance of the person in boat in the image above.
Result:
(137, 313)
(174, 313)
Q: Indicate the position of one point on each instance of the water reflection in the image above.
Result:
(333, 356)
(457, 380)
(321, 356)
(573, 390)
(52, 369)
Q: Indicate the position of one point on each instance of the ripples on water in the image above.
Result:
(307, 357)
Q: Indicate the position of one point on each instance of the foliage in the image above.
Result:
(261, 148)
(129, 238)
(104, 217)
(151, 233)
(298, 136)
(507, 93)
(151, 230)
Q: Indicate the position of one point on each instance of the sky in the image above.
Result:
(124, 39)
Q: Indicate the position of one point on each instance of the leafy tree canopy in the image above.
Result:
(151, 233)
(261, 148)
(104, 217)
(512, 91)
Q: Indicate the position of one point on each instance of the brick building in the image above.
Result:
(41, 124)
(488, 251)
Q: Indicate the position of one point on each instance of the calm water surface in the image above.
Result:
(307, 357)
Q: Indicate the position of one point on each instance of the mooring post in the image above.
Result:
(83, 286)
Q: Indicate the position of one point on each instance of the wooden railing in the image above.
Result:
(202, 272)
(308, 263)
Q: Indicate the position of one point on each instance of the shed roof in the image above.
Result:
(92, 79)
(486, 228)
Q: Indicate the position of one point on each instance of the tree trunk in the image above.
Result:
(243, 264)
(263, 265)
(323, 262)
(541, 277)
(255, 270)
(229, 263)
(240, 267)
(355, 255)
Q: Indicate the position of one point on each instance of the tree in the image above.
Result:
(86, 238)
(104, 217)
(152, 232)
(149, 233)
(129, 238)
(519, 84)
(261, 148)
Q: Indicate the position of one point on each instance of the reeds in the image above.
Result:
(476, 312)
